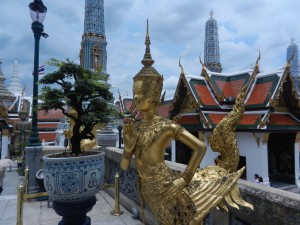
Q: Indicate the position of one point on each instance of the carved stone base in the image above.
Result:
(74, 213)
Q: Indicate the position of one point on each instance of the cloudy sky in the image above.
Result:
(176, 30)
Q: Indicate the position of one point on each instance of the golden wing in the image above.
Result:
(210, 186)
(223, 138)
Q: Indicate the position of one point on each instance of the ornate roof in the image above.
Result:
(271, 101)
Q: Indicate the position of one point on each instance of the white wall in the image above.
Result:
(256, 155)
(252, 147)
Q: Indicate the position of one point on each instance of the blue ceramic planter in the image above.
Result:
(73, 179)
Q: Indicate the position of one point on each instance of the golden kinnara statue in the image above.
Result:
(175, 198)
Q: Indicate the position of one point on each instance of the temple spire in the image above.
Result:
(15, 85)
(292, 58)
(211, 45)
(147, 60)
(93, 52)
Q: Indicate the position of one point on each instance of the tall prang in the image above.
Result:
(295, 66)
(93, 53)
(211, 45)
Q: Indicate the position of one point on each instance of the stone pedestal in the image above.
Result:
(33, 161)
(74, 213)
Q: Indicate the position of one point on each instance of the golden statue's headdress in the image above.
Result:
(149, 73)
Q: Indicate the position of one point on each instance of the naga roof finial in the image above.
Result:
(182, 71)
(200, 60)
(256, 64)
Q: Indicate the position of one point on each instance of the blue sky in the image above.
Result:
(176, 30)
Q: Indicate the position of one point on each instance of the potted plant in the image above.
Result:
(74, 177)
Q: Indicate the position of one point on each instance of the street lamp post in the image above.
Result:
(38, 14)
(34, 148)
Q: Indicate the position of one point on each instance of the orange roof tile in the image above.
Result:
(247, 119)
(128, 104)
(204, 95)
(52, 114)
(163, 111)
(47, 136)
(282, 119)
(259, 93)
(47, 125)
(216, 118)
(231, 88)
(192, 119)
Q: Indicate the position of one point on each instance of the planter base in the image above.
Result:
(74, 213)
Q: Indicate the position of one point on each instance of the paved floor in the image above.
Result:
(38, 213)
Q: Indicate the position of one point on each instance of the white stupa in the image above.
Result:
(15, 82)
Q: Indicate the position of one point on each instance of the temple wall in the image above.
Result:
(251, 147)
(271, 206)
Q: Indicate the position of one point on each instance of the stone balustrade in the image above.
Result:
(271, 206)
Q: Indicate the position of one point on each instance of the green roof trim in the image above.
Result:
(284, 127)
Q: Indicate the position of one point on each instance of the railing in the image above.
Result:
(23, 196)
(116, 185)
(265, 199)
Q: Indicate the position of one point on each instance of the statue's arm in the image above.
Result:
(129, 138)
(198, 147)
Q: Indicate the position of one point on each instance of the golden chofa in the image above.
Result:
(176, 198)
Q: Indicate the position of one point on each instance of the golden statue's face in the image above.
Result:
(141, 96)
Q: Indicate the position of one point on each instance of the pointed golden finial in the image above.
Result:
(147, 60)
(182, 71)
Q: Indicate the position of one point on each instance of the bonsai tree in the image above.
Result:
(73, 88)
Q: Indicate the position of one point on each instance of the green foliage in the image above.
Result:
(85, 91)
